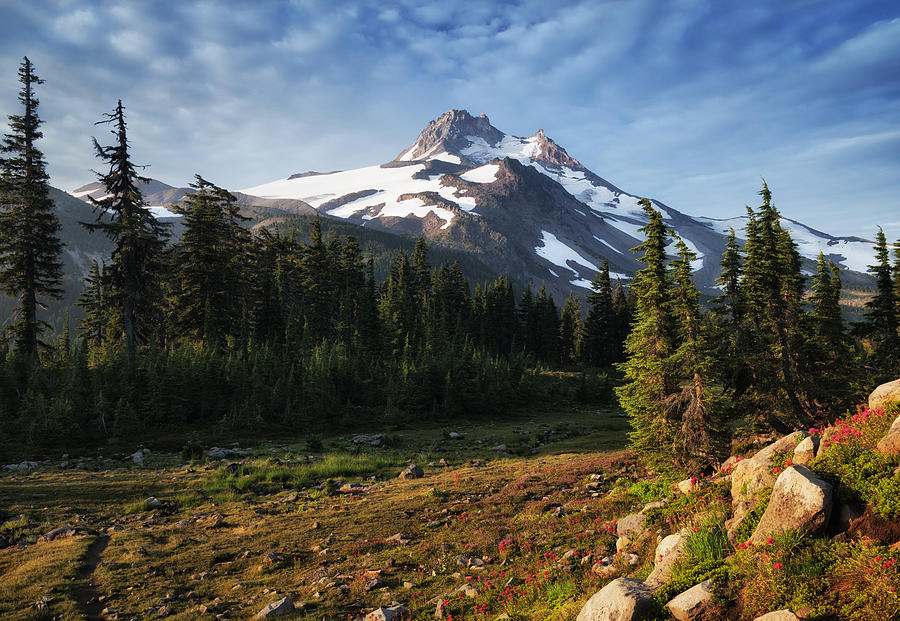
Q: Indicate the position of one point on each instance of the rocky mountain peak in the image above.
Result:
(452, 132)
(550, 152)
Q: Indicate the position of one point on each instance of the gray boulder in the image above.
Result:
(800, 501)
(693, 603)
(283, 606)
(631, 526)
(412, 471)
(386, 613)
(623, 599)
(669, 550)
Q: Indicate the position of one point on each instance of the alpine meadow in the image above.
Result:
(477, 381)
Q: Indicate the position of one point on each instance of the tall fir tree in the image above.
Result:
(693, 406)
(211, 256)
(729, 311)
(570, 331)
(92, 328)
(772, 393)
(138, 237)
(649, 381)
(318, 288)
(828, 354)
(599, 342)
(30, 265)
(881, 310)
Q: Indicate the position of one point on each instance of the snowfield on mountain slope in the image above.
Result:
(857, 255)
(560, 254)
(482, 174)
(389, 184)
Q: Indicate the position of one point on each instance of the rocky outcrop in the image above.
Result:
(622, 599)
(800, 501)
(450, 132)
(693, 603)
(753, 475)
(884, 395)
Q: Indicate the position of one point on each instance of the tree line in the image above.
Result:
(235, 327)
(229, 325)
(769, 354)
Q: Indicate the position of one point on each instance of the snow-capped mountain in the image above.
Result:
(530, 208)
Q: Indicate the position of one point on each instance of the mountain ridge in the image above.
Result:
(523, 204)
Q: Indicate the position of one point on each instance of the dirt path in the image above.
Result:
(86, 594)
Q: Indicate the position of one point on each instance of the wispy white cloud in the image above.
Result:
(691, 102)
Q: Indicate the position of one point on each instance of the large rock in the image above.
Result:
(669, 550)
(800, 501)
(753, 475)
(750, 477)
(806, 450)
(387, 613)
(622, 599)
(283, 606)
(631, 526)
(884, 395)
(779, 615)
(693, 603)
(890, 444)
(786, 443)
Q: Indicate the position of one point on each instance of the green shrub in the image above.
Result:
(193, 449)
(750, 522)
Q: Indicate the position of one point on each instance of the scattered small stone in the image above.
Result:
(386, 613)
(374, 583)
(164, 611)
(500, 448)
(276, 609)
(152, 502)
(397, 538)
(57, 533)
(412, 472)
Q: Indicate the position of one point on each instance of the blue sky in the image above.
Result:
(690, 102)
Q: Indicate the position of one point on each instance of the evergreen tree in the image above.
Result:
(30, 266)
(210, 297)
(881, 310)
(729, 310)
(623, 306)
(827, 356)
(138, 238)
(696, 445)
(318, 289)
(92, 329)
(547, 327)
(648, 374)
(729, 304)
(600, 333)
(772, 287)
(570, 331)
(826, 296)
